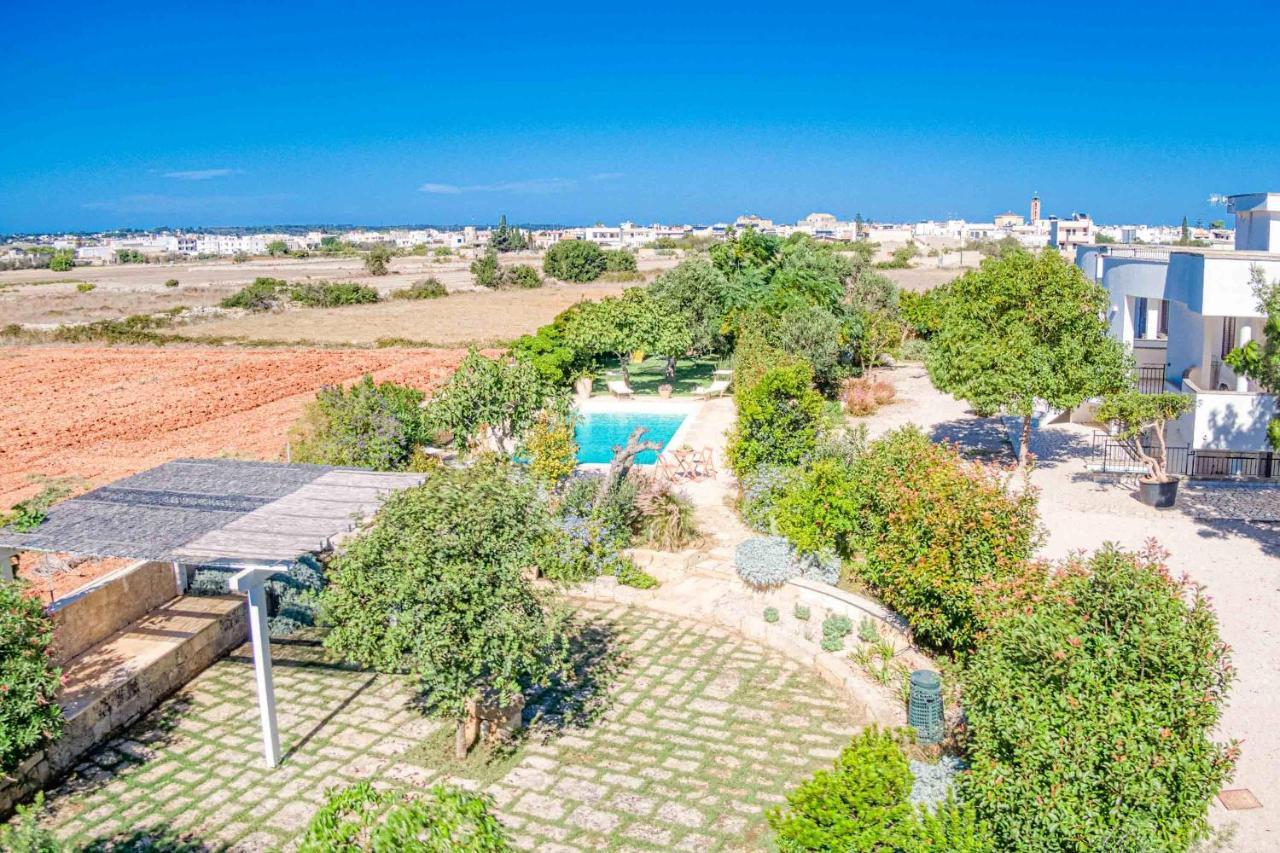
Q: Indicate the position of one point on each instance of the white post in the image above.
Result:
(6, 563)
(262, 670)
(180, 577)
(1244, 334)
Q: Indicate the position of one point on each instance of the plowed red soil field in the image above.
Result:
(101, 413)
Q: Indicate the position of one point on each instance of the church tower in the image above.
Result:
(1035, 208)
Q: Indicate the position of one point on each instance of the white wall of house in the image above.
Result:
(1227, 420)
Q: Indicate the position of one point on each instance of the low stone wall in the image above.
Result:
(108, 701)
(95, 612)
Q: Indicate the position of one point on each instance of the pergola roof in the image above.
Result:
(214, 511)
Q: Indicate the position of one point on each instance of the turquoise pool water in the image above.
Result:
(599, 432)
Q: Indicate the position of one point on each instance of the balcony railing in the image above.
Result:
(1150, 379)
(1111, 456)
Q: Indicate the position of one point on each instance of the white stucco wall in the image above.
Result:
(1187, 346)
(1224, 420)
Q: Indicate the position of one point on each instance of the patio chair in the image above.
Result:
(619, 388)
(664, 469)
(707, 461)
(715, 389)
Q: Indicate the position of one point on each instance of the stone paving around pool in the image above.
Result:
(701, 732)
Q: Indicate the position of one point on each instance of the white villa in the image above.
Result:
(1180, 311)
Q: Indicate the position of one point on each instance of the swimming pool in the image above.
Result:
(598, 433)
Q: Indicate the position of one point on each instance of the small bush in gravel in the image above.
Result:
(933, 782)
(427, 288)
(771, 615)
(173, 282)
(867, 630)
(629, 574)
(801, 612)
(86, 287)
(834, 629)
(521, 277)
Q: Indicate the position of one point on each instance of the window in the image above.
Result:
(1140, 317)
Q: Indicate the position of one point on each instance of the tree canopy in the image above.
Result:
(506, 238)
(622, 325)
(1025, 328)
(491, 399)
(574, 260)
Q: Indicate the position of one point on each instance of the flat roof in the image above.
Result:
(214, 511)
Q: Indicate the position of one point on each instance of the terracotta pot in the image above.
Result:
(664, 391)
(1158, 495)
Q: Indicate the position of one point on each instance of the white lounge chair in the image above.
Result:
(715, 389)
(619, 388)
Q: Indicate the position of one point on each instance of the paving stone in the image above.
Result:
(593, 819)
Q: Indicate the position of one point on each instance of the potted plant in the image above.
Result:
(664, 391)
(1133, 415)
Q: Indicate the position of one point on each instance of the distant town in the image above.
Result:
(940, 238)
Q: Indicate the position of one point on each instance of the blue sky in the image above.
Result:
(251, 113)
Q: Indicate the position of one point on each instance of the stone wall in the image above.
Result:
(97, 611)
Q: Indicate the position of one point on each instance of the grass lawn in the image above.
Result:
(649, 374)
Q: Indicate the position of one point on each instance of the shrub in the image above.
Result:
(930, 528)
(868, 632)
(771, 615)
(1091, 703)
(29, 715)
(778, 420)
(550, 352)
(427, 288)
(442, 251)
(814, 334)
(619, 260)
(922, 312)
(630, 575)
(667, 518)
(377, 259)
(862, 804)
(574, 260)
(370, 426)
(86, 287)
(760, 491)
(859, 398)
(62, 260)
(262, 295)
(883, 391)
(173, 282)
(24, 834)
(485, 269)
(765, 562)
(834, 629)
(801, 612)
(590, 537)
(492, 402)
(521, 276)
(330, 294)
(551, 449)
(362, 818)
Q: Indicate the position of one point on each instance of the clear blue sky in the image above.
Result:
(258, 113)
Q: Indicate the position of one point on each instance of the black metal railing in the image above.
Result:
(1112, 456)
(1150, 379)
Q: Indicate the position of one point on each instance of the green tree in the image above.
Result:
(377, 259)
(778, 417)
(1186, 231)
(62, 260)
(1022, 329)
(619, 260)
(485, 269)
(30, 716)
(1135, 416)
(550, 352)
(622, 325)
(277, 247)
(1262, 363)
(574, 260)
(449, 602)
(1091, 703)
(505, 238)
(491, 400)
(694, 291)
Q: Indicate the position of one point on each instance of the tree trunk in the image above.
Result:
(624, 359)
(468, 730)
(1024, 450)
(460, 740)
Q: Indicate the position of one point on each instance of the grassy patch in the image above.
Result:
(649, 374)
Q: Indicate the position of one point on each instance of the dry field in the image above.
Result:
(103, 413)
(50, 298)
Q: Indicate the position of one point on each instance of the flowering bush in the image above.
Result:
(29, 714)
(1091, 702)
(760, 490)
(551, 448)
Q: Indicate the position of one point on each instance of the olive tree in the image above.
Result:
(1021, 329)
(1134, 415)
(437, 588)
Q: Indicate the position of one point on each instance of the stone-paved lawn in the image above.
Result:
(701, 732)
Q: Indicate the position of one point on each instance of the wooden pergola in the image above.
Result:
(253, 519)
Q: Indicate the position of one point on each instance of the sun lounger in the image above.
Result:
(619, 388)
(715, 389)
